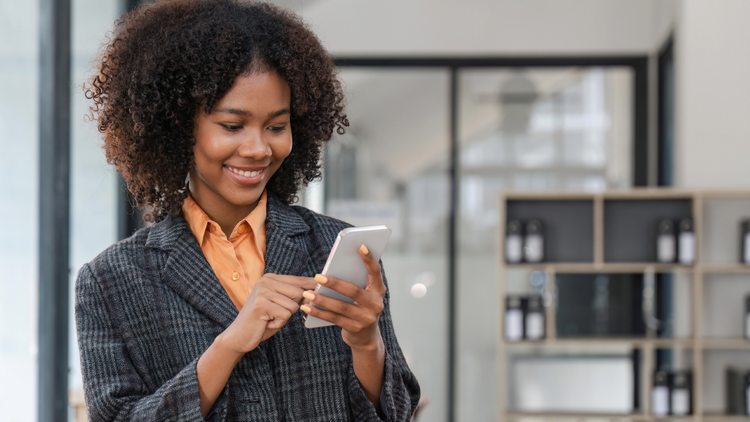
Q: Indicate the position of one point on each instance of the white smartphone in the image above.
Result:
(345, 263)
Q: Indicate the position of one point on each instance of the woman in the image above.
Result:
(199, 317)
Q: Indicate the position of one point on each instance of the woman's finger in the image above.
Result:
(374, 276)
(350, 290)
(282, 300)
(332, 317)
(304, 283)
(280, 285)
(349, 310)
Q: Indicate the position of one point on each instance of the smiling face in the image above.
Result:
(240, 145)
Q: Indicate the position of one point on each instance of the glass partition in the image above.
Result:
(557, 128)
(93, 185)
(392, 168)
(19, 190)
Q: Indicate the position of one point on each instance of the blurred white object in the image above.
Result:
(575, 384)
(535, 319)
(514, 243)
(660, 394)
(534, 326)
(680, 395)
(514, 325)
(660, 400)
(680, 402)
(665, 242)
(513, 319)
(686, 247)
(533, 248)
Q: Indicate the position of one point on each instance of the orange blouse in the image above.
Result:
(239, 261)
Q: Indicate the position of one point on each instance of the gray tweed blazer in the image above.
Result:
(150, 305)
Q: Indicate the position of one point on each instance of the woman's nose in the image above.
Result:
(255, 147)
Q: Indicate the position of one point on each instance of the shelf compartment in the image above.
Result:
(723, 304)
(713, 386)
(610, 305)
(720, 241)
(552, 382)
(567, 226)
(630, 226)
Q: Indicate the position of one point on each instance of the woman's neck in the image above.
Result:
(218, 209)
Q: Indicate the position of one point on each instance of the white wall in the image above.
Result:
(483, 27)
(712, 53)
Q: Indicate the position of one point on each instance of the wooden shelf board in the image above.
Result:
(726, 194)
(608, 267)
(718, 418)
(634, 193)
(630, 416)
(614, 416)
(725, 268)
(608, 341)
(545, 415)
(649, 193)
(546, 196)
(727, 344)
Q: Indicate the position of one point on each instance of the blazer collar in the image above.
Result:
(164, 234)
(286, 251)
(189, 274)
(284, 218)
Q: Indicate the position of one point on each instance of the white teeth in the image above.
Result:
(245, 173)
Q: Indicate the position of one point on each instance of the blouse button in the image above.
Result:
(241, 230)
(235, 276)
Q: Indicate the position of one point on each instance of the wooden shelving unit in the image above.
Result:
(601, 255)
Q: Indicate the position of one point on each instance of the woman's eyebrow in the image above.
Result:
(281, 112)
(236, 111)
(245, 113)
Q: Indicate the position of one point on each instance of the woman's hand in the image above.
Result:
(358, 320)
(274, 299)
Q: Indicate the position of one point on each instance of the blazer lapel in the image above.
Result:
(285, 247)
(188, 273)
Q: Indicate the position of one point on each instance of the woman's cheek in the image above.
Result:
(289, 146)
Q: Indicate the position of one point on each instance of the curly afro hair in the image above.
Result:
(165, 61)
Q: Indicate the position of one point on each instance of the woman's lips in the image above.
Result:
(246, 177)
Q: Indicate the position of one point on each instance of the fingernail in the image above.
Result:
(320, 278)
(364, 250)
(308, 295)
(306, 309)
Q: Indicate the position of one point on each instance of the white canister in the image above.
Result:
(533, 247)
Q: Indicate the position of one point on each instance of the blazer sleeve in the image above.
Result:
(400, 393)
(113, 389)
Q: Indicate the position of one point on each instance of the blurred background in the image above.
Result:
(451, 104)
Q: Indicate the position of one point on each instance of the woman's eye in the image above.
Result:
(232, 128)
(277, 129)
